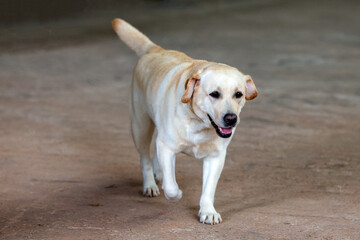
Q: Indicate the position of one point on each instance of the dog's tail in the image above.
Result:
(132, 37)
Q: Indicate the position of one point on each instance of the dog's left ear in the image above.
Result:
(190, 85)
(251, 91)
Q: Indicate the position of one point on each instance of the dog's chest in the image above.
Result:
(203, 150)
(199, 142)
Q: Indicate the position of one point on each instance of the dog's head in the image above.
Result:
(217, 94)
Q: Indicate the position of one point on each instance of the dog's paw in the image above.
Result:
(174, 195)
(151, 191)
(210, 217)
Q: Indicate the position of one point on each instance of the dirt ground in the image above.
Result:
(69, 169)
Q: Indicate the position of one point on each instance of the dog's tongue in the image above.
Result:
(226, 130)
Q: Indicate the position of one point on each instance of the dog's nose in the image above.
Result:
(230, 119)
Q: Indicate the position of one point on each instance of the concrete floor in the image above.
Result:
(69, 169)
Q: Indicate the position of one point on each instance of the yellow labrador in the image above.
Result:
(194, 106)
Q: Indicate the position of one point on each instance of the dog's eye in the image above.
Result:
(215, 94)
(238, 94)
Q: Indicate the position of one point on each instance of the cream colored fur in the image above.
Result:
(175, 94)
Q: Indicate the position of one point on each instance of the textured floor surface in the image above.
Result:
(69, 169)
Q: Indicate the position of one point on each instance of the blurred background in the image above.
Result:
(68, 22)
(69, 169)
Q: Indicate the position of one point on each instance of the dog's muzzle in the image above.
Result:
(222, 132)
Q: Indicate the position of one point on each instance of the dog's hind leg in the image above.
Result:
(142, 130)
(157, 169)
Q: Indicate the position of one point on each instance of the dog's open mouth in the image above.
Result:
(222, 132)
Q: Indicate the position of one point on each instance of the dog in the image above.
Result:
(194, 105)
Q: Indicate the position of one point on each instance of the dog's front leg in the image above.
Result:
(166, 160)
(212, 168)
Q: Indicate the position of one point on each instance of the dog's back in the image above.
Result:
(154, 63)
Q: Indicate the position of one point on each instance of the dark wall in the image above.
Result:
(38, 10)
(16, 11)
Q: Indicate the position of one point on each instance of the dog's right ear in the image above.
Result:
(190, 85)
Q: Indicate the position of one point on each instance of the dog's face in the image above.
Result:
(218, 95)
